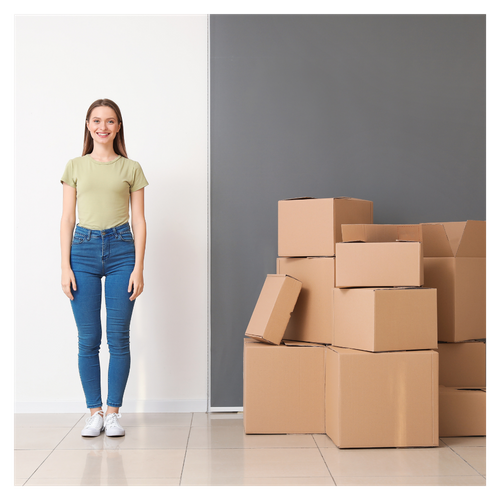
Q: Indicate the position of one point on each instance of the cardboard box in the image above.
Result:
(385, 319)
(273, 309)
(462, 411)
(455, 264)
(381, 232)
(283, 388)
(310, 227)
(385, 399)
(454, 239)
(312, 319)
(462, 364)
(379, 264)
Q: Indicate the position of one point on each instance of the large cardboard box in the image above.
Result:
(455, 264)
(385, 399)
(462, 411)
(283, 388)
(273, 309)
(379, 264)
(462, 364)
(310, 227)
(312, 319)
(385, 319)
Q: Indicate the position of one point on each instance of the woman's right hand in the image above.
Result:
(68, 282)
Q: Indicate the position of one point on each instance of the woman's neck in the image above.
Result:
(103, 154)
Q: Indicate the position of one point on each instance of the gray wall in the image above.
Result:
(385, 108)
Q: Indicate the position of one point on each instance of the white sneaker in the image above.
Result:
(112, 427)
(94, 425)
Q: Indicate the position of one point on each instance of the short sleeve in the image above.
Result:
(139, 179)
(68, 176)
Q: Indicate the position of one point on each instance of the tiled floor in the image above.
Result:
(169, 449)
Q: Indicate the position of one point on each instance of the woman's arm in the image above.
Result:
(67, 226)
(136, 282)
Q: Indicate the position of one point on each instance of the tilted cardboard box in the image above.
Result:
(385, 399)
(455, 264)
(380, 264)
(462, 411)
(310, 227)
(273, 309)
(312, 319)
(283, 388)
(385, 319)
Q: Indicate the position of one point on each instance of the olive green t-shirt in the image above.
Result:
(103, 189)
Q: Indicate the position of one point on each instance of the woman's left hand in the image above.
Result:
(136, 283)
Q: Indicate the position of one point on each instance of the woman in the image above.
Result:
(101, 182)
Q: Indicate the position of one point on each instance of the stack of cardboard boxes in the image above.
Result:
(357, 359)
(455, 264)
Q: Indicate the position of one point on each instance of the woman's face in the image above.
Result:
(103, 125)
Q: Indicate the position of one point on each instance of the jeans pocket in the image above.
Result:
(126, 235)
(77, 239)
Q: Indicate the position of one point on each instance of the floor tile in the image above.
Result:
(411, 482)
(475, 456)
(104, 481)
(25, 462)
(258, 482)
(233, 436)
(323, 441)
(216, 419)
(153, 437)
(395, 462)
(47, 419)
(118, 465)
(207, 464)
(464, 441)
(38, 438)
(155, 419)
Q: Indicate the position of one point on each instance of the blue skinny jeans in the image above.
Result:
(94, 255)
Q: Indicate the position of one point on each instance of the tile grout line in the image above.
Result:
(472, 467)
(185, 453)
(53, 449)
(326, 465)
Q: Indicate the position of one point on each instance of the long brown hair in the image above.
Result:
(118, 143)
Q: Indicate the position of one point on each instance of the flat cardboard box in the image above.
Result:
(273, 309)
(385, 319)
(462, 364)
(312, 319)
(310, 227)
(384, 400)
(379, 264)
(381, 232)
(455, 264)
(462, 411)
(283, 388)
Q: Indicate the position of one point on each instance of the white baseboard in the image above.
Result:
(137, 406)
(226, 409)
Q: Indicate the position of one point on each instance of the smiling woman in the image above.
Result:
(101, 183)
(104, 124)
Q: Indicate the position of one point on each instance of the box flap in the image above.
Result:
(454, 239)
(473, 241)
(381, 232)
(314, 198)
(297, 343)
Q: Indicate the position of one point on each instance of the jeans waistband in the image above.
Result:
(97, 233)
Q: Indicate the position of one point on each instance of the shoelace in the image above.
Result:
(93, 417)
(111, 419)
